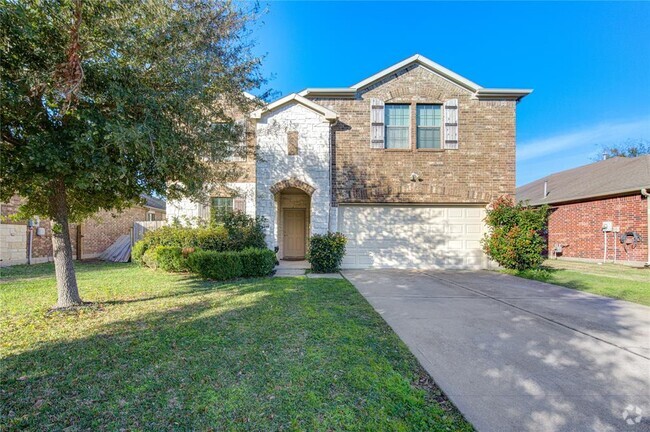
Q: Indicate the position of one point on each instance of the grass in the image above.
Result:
(610, 280)
(158, 351)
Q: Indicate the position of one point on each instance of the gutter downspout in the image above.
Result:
(329, 177)
(646, 194)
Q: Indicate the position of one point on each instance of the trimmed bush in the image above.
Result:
(215, 265)
(149, 259)
(236, 232)
(244, 231)
(257, 262)
(138, 249)
(170, 258)
(326, 252)
(515, 240)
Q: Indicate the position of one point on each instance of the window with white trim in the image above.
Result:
(429, 124)
(219, 206)
(151, 216)
(397, 124)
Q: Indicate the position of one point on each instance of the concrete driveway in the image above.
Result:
(520, 355)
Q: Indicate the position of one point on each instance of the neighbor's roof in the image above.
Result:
(614, 176)
(152, 202)
(417, 59)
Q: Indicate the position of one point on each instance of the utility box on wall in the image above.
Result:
(608, 226)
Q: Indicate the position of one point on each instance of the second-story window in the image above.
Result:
(397, 126)
(233, 146)
(429, 121)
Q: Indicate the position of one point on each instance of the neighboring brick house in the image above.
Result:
(597, 209)
(403, 163)
(89, 239)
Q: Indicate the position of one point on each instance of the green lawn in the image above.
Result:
(610, 280)
(159, 351)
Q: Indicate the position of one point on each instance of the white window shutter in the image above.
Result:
(239, 204)
(451, 124)
(376, 123)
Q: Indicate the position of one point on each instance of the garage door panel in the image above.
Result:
(412, 236)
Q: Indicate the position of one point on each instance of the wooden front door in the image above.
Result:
(294, 230)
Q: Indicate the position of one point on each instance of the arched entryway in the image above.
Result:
(293, 217)
(293, 223)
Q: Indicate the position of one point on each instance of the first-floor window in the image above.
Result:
(429, 121)
(151, 216)
(219, 206)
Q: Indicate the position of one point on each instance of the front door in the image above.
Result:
(294, 234)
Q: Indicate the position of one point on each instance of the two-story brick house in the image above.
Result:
(403, 163)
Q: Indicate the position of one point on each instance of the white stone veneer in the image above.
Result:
(311, 165)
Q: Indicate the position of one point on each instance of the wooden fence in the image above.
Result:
(139, 228)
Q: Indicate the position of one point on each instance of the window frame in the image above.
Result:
(433, 128)
(407, 126)
(216, 211)
(151, 216)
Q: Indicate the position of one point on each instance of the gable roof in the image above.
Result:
(153, 202)
(422, 61)
(296, 98)
(417, 59)
(610, 177)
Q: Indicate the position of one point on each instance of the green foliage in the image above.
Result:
(150, 258)
(326, 252)
(257, 262)
(170, 258)
(240, 232)
(215, 265)
(138, 250)
(515, 239)
(243, 230)
(118, 98)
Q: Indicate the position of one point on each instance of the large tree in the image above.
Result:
(104, 100)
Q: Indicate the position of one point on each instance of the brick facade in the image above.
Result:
(97, 232)
(578, 225)
(482, 169)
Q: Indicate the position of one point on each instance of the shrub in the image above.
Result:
(149, 259)
(138, 249)
(215, 265)
(515, 239)
(257, 262)
(237, 232)
(243, 230)
(210, 238)
(170, 258)
(326, 252)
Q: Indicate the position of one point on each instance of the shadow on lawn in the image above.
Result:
(276, 355)
(26, 272)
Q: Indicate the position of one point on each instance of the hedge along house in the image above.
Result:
(403, 163)
(599, 211)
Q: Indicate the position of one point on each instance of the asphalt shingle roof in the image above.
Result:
(614, 176)
(150, 201)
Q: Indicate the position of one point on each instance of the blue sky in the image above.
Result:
(589, 63)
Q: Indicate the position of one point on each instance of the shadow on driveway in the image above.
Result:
(520, 355)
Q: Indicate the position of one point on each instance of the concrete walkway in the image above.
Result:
(520, 355)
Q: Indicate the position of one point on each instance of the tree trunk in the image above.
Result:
(66, 280)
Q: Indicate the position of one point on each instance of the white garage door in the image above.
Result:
(426, 237)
